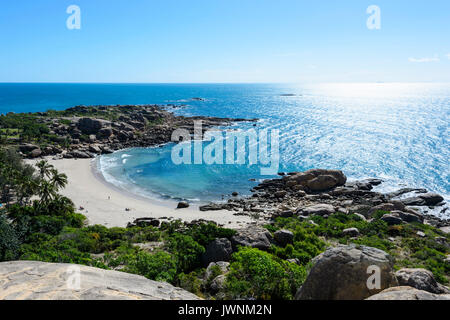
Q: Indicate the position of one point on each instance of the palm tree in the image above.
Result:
(44, 169)
(58, 180)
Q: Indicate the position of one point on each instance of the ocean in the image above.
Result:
(398, 132)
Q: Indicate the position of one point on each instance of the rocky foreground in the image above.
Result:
(29, 280)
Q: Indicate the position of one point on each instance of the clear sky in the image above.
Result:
(224, 41)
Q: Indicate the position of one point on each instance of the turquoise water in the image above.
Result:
(398, 132)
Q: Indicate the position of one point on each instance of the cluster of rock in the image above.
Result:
(133, 126)
(30, 280)
(325, 192)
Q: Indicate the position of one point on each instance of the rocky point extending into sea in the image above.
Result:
(88, 131)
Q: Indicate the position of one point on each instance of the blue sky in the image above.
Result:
(224, 41)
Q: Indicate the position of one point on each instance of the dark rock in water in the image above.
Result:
(360, 185)
(404, 191)
(427, 199)
(217, 250)
(283, 237)
(182, 205)
(254, 237)
(431, 199)
(414, 201)
(374, 181)
(341, 273)
(235, 194)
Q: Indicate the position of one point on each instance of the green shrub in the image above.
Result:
(9, 240)
(160, 266)
(186, 250)
(258, 274)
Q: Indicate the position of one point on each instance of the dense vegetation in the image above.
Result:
(37, 223)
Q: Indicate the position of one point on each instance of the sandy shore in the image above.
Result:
(104, 204)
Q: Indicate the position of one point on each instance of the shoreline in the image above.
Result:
(106, 204)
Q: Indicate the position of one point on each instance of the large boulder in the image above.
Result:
(30, 280)
(92, 126)
(217, 250)
(36, 153)
(80, 154)
(26, 148)
(254, 237)
(388, 206)
(322, 183)
(283, 237)
(392, 219)
(317, 179)
(426, 199)
(317, 209)
(342, 273)
(407, 293)
(420, 279)
(431, 199)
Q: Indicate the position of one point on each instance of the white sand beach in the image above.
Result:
(105, 204)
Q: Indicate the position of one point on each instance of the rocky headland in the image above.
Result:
(88, 131)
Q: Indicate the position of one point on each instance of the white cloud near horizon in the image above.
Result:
(423, 60)
(448, 56)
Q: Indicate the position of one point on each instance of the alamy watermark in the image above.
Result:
(228, 147)
(374, 20)
(374, 280)
(73, 281)
(73, 22)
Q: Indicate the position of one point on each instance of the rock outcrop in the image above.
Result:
(217, 250)
(30, 280)
(420, 279)
(255, 237)
(342, 273)
(407, 293)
